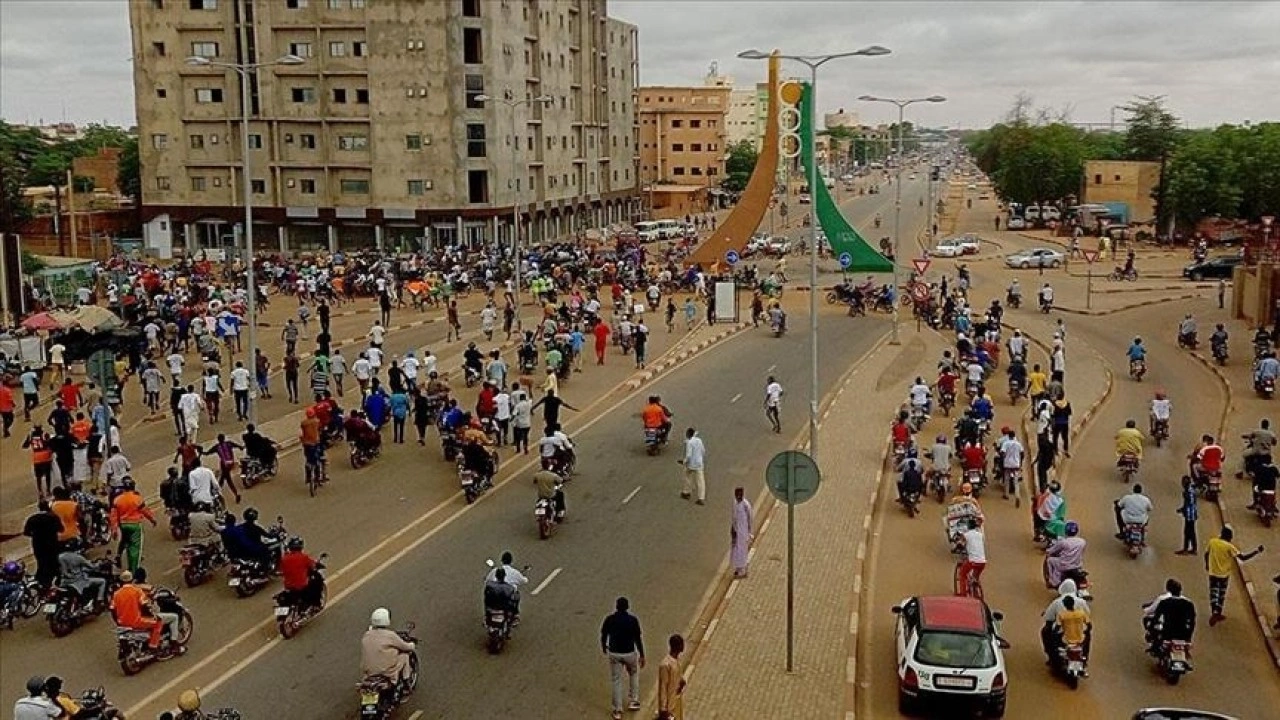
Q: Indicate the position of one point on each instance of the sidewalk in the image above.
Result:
(737, 670)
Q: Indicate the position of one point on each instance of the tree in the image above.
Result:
(739, 165)
(129, 172)
(1152, 131)
(97, 136)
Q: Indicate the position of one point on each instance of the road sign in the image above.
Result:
(845, 260)
(1090, 256)
(792, 477)
(921, 264)
(101, 367)
(920, 292)
(731, 257)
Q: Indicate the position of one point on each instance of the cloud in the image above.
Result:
(1214, 61)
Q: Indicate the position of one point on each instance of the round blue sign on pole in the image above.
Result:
(731, 257)
(845, 259)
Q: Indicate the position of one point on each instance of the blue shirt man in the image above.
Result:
(1137, 352)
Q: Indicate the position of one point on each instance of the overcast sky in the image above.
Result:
(1216, 61)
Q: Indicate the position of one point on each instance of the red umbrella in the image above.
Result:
(41, 321)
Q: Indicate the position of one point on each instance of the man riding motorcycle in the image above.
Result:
(1013, 296)
(1064, 555)
(383, 652)
(205, 531)
(1169, 616)
(1051, 637)
(300, 578)
(246, 541)
(1218, 340)
(1268, 368)
(361, 433)
(920, 396)
(1206, 459)
(1137, 355)
(1161, 411)
(1187, 331)
(1132, 509)
(549, 485)
(1258, 445)
(1017, 346)
(131, 606)
(259, 447)
(79, 574)
(911, 480)
(555, 448)
(656, 416)
(1129, 440)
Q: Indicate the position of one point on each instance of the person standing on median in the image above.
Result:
(621, 643)
(1219, 557)
(740, 533)
(670, 683)
(695, 455)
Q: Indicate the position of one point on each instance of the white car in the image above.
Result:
(1016, 223)
(1035, 258)
(949, 650)
(948, 248)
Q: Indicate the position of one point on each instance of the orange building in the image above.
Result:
(682, 145)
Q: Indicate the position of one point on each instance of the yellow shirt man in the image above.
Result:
(1129, 440)
(1222, 556)
(1036, 382)
(1073, 623)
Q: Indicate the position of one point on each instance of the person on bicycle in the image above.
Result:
(312, 450)
(975, 557)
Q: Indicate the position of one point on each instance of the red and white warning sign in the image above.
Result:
(1090, 256)
(921, 265)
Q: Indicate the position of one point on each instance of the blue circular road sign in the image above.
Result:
(731, 257)
(845, 259)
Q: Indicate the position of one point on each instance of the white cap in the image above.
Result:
(381, 618)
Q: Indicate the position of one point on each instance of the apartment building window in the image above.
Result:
(677, 123)
(677, 171)
(357, 4)
(695, 123)
(353, 142)
(202, 4)
(337, 48)
(695, 170)
(412, 142)
(355, 187)
(472, 48)
(359, 48)
(303, 94)
(197, 184)
(158, 47)
(475, 140)
(197, 142)
(416, 187)
(339, 95)
(157, 4)
(712, 123)
(202, 49)
(259, 187)
(713, 171)
(255, 141)
(478, 186)
(335, 4)
(712, 147)
(307, 141)
(301, 49)
(471, 8)
(159, 141)
(295, 4)
(696, 147)
(162, 93)
(307, 186)
(217, 182)
(362, 96)
(677, 147)
(474, 88)
(208, 95)
(162, 182)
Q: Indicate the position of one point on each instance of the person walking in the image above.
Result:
(640, 336)
(455, 327)
(128, 510)
(337, 369)
(1190, 512)
(1060, 426)
(521, 418)
(773, 403)
(740, 533)
(190, 405)
(694, 461)
(621, 643)
(1222, 293)
(291, 365)
(601, 332)
(399, 413)
(262, 370)
(43, 528)
(1219, 558)
(690, 312)
(670, 683)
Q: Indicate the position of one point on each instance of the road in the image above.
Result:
(1233, 672)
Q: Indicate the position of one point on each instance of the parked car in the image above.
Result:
(778, 245)
(1179, 714)
(1016, 223)
(950, 650)
(1035, 257)
(1031, 213)
(1049, 212)
(1223, 266)
(805, 199)
(948, 248)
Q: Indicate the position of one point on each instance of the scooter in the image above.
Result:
(1187, 341)
(1265, 387)
(380, 695)
(1071, 664)
(131, 645)
(1220, 353)
(1137, 369)
(200, 561)
(1135, 538)
(290, 613)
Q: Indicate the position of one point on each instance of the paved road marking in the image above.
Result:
(546, 581)
(417, 714)
(631, 494)
(736, 398)
(711, 630)
(771, 368)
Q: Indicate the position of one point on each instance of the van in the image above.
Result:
(670, 229)
(648, 231)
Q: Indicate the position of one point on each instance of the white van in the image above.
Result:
(648, 231)
(670, 229)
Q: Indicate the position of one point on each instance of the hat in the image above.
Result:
(126, 577)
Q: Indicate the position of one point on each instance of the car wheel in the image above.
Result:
(1055, 264)
(1025, 265)
(996, 708)
(1197, 276)
(906, 703)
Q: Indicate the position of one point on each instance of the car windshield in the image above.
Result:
(954, 650)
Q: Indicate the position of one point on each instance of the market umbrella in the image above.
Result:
(41, 321)
(92, 318)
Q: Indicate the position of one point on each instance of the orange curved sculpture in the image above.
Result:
(735, 231)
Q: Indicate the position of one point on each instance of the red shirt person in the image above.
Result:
(601, 331)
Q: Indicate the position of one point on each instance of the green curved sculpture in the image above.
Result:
(842, 237)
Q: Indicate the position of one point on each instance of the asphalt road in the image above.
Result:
(1233, 672)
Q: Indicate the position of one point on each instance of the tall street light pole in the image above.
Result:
(897, 196)
(813, 62)
(244, 70)
(512, 103)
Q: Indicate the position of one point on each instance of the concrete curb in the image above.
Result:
(1268, 637)
(1112, 311)
(860, 564)
(677, 356)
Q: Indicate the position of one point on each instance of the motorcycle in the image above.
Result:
(1046, 306)
(1070, 663)
(917, 418)
(1137, 369)
(976, 480)
(97, 531)
(1160, 431)
(473, 484)
(1013, 301)
(471, 375)
(1135, 538)
(939, 484)
(544, 512)
(449, 444)
(971, 389)
(1016, 390)
(179, 523)
(1220, 353)
(67, 609)
(1187, 341)
(254, 471)
(1260, 349)
(200, 561)
(131, 645)
(290, 613)
(361, 455)
(1077, 575)
(655, 439)
(1209, 485)
(1265, 387)
(248, 576)
(946, 401)
(497, 625)
(1120, 273)
(1173, 658)
(28, 604)
(1264, 504)
(910, 504)
(1128, 464)
(379, 695)
(899, 452)
(95, 706)
(779, 326)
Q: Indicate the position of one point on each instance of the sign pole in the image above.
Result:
(792, 477)
(1088, 294)
(791, 563)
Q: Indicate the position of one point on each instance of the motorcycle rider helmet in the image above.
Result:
(11, 569)
(295, 544)
(189, 701)
(250, 515)
(127, 483)
(35, 685)
(72, 545)
(1137, 339)
(1073, 528)
(203, 507)
(380, 618)
(1005, 430)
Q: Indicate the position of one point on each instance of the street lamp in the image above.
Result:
(813, 62)
(244, 70)
(902, 104)
(545, 101)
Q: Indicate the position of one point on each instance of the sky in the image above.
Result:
(1214, 61)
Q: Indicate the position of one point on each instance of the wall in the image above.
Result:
(103, 168)
(1130, 182)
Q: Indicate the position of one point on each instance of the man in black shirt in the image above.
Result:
(621, 643)
(1174, 617)
(1264, 481)
(43, 528)
(551, 404)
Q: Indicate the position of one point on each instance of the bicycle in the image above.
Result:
(974, 589)
(315, 470)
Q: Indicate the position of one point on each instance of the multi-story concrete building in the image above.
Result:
(393, 131)
(682, 142)
(742, 122)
